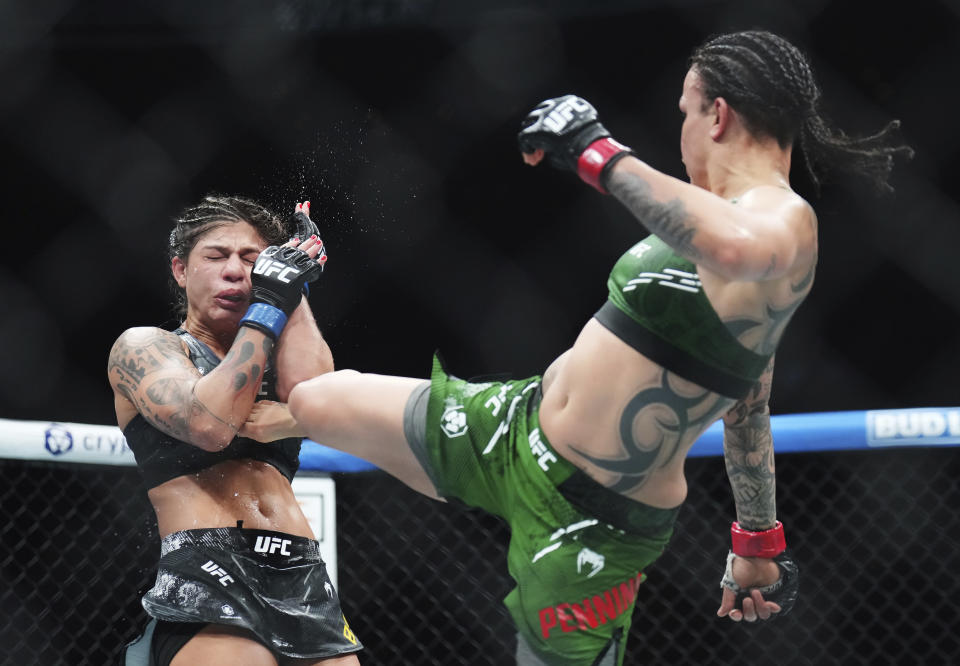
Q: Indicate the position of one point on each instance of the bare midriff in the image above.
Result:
(601, 391)
(248, 490)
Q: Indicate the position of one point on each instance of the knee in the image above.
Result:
(310, 401)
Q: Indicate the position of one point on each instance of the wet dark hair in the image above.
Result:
(769, 83)
(213, 211)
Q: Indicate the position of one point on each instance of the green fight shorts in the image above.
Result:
(577, 549)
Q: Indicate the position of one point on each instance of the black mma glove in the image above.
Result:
(303, 228)
(278, 279)
(567, 130)
(782, 592)
(771, 544)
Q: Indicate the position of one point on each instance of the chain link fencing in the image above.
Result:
(875, 534)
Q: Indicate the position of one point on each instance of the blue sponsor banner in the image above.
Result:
(930, 426)
(798, 433)
(792, 433)
(850, 431)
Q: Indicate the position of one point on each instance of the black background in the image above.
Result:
(397, 120)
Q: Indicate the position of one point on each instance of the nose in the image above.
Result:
(235, 270)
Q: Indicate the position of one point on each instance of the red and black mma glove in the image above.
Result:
(278, 278)
(770, 544)
(567, 130)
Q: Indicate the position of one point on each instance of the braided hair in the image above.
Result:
(769, 83)
(213, 211)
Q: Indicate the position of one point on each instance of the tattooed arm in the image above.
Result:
(151, 372)
(748, 455)
(762, 237)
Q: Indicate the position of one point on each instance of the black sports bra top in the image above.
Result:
(161, 457)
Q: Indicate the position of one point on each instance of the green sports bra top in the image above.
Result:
(657, 306)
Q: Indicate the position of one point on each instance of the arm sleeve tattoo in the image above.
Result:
(748, 456)
(152, 370)
(669, 220)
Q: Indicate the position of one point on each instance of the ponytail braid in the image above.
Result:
(826, 149)
(770, 84)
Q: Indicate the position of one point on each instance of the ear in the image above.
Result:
(721, 117)
(179, 270)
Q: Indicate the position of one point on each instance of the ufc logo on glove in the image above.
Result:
(266, 267)
(557, 119)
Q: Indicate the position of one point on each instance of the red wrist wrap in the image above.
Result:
(768, 543)
(592, 161)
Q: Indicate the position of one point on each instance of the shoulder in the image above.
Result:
(146, 335)
(780, 203)
(788, 211)
(141, 338)
(143, 355)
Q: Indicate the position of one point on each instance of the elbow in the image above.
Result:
(729, 259)
(213, 438)
(206, 426)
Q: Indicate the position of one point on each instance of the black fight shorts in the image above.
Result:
(273, 584)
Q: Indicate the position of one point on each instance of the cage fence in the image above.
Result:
(874, 532)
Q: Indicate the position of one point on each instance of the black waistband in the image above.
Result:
(274, 547)
(614, 509)
(672, 358)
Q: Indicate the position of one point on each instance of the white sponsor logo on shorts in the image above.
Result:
(495, 403)
(267, 544)
(557, 537)
(587, 557)
(215, 569)
(543, 455)
(454, 421)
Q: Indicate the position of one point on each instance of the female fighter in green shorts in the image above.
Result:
(586, 463)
